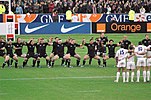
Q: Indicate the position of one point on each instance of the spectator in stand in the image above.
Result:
(69, 15)
(19, 9)
(45, 8)
(131, 15)
(36, 8)
(51, 6)
(2, 8)
(142, 10)
(108, 9)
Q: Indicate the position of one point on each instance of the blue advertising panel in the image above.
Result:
(55, 28)
(116, 17)
(1, 18)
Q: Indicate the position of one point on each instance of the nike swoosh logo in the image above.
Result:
(30, 30)
(65, 30)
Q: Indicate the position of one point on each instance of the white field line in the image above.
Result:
(89, 91)
(57, 78)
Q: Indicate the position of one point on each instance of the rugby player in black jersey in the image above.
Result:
(18, 46)
(91, 52)
(104, 40)
(59, 52)
(30, 53)
(111, 48)
(41, 51)
(146, 41)
(9, 51)
(125, 42)
(54, 45)
(2, 52)
(71, 47)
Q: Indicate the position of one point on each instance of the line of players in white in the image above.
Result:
(126, 59)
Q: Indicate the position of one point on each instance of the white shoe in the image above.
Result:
(144, 81)
(81, 66)
(49, 66)
(127, 81)
(132, 81)
(116, 81)
(137, 81)
(123, 81)
(70, 66)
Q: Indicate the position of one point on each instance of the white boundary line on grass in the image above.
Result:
(57, 78)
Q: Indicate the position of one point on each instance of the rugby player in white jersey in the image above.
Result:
(140, 52)
(130, 64)
(120, 56)
(148, 61)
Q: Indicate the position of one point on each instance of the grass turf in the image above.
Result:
(58, 83)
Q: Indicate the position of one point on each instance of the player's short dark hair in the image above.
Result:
(56, 37)
(146, 34)
(131, 47)
(139, 43)
(111, 40)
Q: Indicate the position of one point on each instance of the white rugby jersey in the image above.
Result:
(140, 49)
(121, 54)
(131, 59)
(149, 52)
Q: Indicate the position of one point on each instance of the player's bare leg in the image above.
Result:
(54, 59)
(51, 56)
(6, 59)
(127, 75)
(86, 57)
(16, 60)
(78, 59)
(98, 58)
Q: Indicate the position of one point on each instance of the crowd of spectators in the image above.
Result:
(79, 6)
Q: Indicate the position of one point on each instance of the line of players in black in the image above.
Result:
(96, 49)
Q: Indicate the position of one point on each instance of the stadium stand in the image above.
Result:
(79, 6)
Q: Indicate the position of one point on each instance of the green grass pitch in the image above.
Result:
(59, 83)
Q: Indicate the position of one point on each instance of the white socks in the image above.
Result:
(117, 76)
(144, 76)
(138, 75)
(123, 74)
(132, 76)
(148, 75)
(127, 76)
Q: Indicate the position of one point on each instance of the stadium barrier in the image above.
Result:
(117, 27)
(55, 28)
(48, 18)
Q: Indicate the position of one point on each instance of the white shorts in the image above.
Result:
(130, 65)
(121, 63)
(148, 61)
(141, 62)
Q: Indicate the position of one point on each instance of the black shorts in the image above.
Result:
(104, 49)
(2, 54)
(18, 54)
(111, 55)
(72, 54)
(61, 55)
(11, 55)
(91, 56)
(44, 55)
(31, 55)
